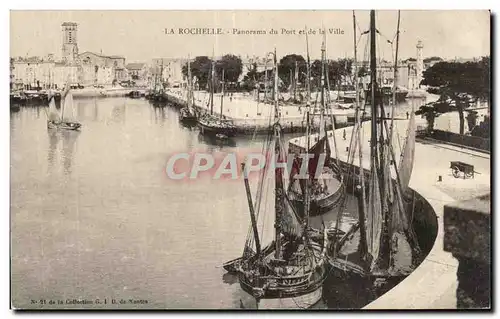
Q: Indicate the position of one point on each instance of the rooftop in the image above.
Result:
(135, 66)
(102, 55)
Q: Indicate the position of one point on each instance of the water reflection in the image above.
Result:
(216, 143)
(118, 113)
(51, 151)
(68, 145)
(80, 109)
(229, 279)
(96, 112)
(159, 115)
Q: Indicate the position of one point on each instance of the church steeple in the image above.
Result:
(70, 44)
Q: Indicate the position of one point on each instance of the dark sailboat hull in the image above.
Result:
(300, 296)
(283, 284)
(187, 117)
(320, 206)
(213, 130)
(71, 126)
(232, 266)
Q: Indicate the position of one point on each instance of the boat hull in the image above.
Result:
(319, 206)
(71, 126)
(293, 297)
(303, 301)
(214, 130)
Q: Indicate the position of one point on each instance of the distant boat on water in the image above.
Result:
(187, 113)
(66, 118)
(212, 124)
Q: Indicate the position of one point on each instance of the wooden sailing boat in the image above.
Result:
(385, 233)
(289, 271)
(327, 185)
(212, 124)
(66, 119)
(187, 113)
(156, 92)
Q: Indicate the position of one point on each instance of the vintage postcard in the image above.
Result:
(250, 159)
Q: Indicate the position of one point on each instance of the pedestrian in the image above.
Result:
(407, 115)
(344, 135)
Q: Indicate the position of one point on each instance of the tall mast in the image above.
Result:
(161, 76)
(212, 80)
(362, 228)
(278, 202)
(395, 78)
(252, 213)
(295, 81)
(373, 84)
(190, 85)
(378, 150)
(308, 82)
(307, 201)
(265, 84)
(323, 80)
(222, 95)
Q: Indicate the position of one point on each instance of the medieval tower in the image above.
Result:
(70, 45)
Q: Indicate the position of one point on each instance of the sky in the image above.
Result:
(140, 35)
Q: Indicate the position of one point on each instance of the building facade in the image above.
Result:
(85, 69)
(138, 72)
(114, 62)
(33, 73)
(170, 70)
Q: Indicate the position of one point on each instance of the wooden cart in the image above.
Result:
(461, 167)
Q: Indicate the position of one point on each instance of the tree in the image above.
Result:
(251, 78)
(458, 84)
(432, 58)
(232, 67)
(200, 68)
(286, 67)
(362, 71)
(338, 71)
(431, 111)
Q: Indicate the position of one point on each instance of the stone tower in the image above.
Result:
(420, 63)
(70, 45)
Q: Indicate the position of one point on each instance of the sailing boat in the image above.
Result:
(156, 92)
(187, 113)
(327, 185)
(289, 271)
(66, 119)
(211, 124)
(386, 236)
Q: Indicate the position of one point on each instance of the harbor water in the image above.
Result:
(94, 216)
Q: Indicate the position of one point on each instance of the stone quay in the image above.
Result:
(251, 116)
